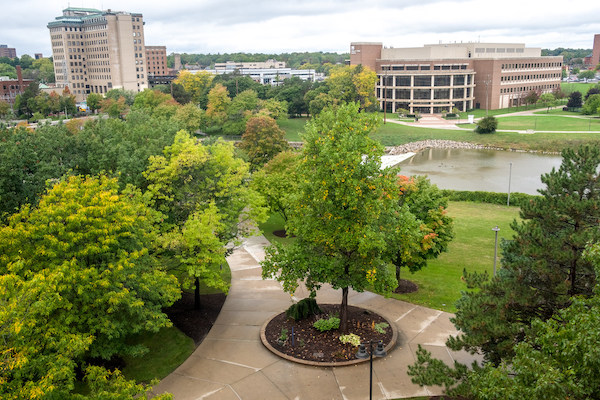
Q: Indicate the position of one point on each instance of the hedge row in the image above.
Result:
(516, 199)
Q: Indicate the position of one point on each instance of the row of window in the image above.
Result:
(426, 80)
(424, 94)
(424, 67)
(527, 89)
(531, 65)
(528, 77)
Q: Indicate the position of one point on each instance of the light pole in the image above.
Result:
(509, 179)
(362, 354)
(496, 229)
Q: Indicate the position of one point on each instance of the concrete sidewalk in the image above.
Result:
(232, 364)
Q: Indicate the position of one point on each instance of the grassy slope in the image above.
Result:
(440, 282)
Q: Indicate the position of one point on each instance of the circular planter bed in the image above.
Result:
(305, 344)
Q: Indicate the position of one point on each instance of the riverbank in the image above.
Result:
(415, 147)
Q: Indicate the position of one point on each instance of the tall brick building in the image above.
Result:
(437, 78)
(10, 88)
(156, 57)
(95, 51)
(6, 51)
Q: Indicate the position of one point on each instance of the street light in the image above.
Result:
(362, 354)
(509, 179)
(496, 229)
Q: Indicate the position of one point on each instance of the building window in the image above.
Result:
(459, 80)
(442, 80)
(422, 80)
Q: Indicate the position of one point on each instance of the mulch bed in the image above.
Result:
(309, 344)
(406, 286)
(196, 323)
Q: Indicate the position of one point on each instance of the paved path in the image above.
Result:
(232, 364)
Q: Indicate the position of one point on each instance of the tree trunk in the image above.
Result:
(398, 274)
(197, 294)
(344, 311)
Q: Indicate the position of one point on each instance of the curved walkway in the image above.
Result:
(232, 364)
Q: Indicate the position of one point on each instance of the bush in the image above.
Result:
(327, 324)
(487, 125)
(351, 338)
(380, 327)
(516, 199)
(303, 309)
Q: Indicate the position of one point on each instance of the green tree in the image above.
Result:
(5, 110)
(543, 266)
(114, 108)
(239, 110)
(190, 117)
(8, 70)
(197, 85)
(588, 74)
(344, 213)
(574, 100)
(262, 140)
(176, 90)
(97, 240)
(487, 125)
(204, 192)
(591, 105)
(116, 94)
(25, 102)
(434, 228)
(216, 110)
(93, 101)
(277, 182)
(292, 91)
(547, 100)
(67, 102)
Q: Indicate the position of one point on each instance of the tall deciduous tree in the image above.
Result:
(277, 181)
(197, 85)
(205, 187)
(218, 103)
(262, 140)
(434, 230)
(109, 286)
(344, 213)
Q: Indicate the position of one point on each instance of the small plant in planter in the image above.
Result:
(324, 325)
(380, 327)
(351, 338)
(303, 309)
(283, 336)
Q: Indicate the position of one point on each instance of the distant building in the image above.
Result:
(270, 76)
(232, 65)
(38, 56)
(6, 51)
(176, 63)
(10, 88)
(438, 78)
(156, 56)
(596, 51)
(95, 51)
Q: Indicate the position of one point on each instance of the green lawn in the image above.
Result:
(549, 123)
(440, 282)
(392, 134)
(293, 127)
(576, 86)
(169, 348)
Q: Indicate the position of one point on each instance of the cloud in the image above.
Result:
(276, 26)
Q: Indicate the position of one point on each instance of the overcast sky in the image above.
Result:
(275, 26)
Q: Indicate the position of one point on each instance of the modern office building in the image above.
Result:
(232, 65)
(270, 76)
(95, 51)
(6, 51)
(438, 78)
(156, 56)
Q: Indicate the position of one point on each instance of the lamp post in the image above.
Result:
(362, 354)
(509, 179)
(495, 229)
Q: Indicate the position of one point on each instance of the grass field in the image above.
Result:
(576, 86)
(440, 282)
(550, 123)
(293, 127)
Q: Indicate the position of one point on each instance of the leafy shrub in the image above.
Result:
(284, 335)
(487, 125)
(351, 338)
(516, 199)
(303, 309)
(380, 327)
(327, 324)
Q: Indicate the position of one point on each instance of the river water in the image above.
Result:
(488, 170)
